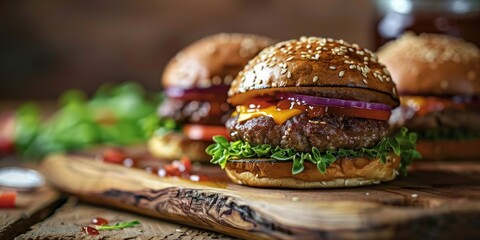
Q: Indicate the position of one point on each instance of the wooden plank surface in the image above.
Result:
(31, 207)
(437, 201)
(67, 221)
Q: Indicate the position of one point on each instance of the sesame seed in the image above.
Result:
(394, 91)
(283, 71)
(365, 81)
(380, 77)
(315, 79)
(290, 59)
(333, 67)
(289, 74)
(341, 73)
(414, 195)
(353, 66)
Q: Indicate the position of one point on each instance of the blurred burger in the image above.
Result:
(312, 113)
(196, 82)
(439, 79)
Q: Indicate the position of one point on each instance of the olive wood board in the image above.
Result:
(436, 201)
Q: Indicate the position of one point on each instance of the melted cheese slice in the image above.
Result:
(279, 116)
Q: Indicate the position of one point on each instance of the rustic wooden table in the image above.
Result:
(49, 214)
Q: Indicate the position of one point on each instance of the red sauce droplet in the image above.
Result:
(99, 221)
(113, 155)
(90, 230)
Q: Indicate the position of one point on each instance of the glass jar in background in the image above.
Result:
(460, 18)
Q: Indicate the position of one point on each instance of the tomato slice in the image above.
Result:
(7, 199)
(426, 105)
(360, 112)
(203, 132)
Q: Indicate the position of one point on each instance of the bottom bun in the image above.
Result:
(345, 172)
(172, 146)
(449, 149)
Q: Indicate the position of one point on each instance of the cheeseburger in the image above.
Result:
(196, 82)
(438, 78)
(312, 113)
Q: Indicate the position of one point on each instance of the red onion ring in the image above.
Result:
(334, 102)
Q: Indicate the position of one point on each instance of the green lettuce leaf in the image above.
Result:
(402, 144)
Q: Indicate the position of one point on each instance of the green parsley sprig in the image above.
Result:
(118, 226)
(402, 144)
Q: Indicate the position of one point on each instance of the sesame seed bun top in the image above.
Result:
(432, 64)
(318, 66)
(213, 60)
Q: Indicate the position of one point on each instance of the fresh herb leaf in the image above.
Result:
(118, 226)
(117, 114)
(402, 144)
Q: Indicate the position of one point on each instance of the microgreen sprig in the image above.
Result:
(118, 226)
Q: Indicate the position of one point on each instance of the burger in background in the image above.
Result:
(196, 82)
(438, 78)
(312, 113)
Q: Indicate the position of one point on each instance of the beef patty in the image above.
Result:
(326, 132)
(199, 112)
(454, 120)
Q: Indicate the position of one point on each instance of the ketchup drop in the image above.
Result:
(90, 230)
(99, 221)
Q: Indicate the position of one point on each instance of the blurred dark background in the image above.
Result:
(49, 46)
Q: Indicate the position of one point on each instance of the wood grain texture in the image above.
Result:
(430, 203)
(31, 208)
(68, 220)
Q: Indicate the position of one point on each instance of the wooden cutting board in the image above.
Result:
(437, 200)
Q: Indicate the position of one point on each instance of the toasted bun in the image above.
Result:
(431, 64)
(346, 172)
(173, 146)
(213, 60)
(449, 149)
(326, 67)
